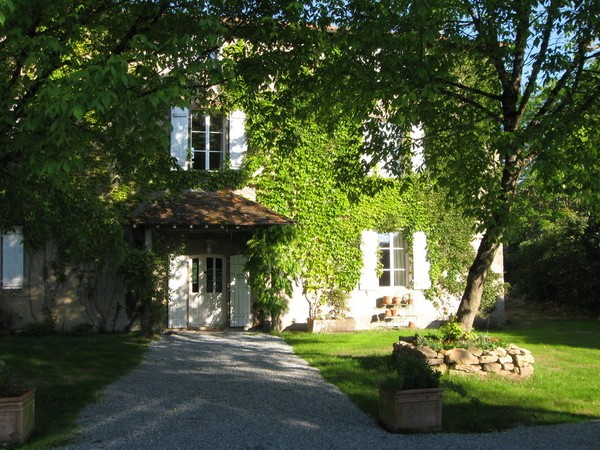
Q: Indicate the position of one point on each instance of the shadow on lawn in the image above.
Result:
(463, 412)
(572, 333)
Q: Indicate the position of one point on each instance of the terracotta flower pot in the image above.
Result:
(387, 300)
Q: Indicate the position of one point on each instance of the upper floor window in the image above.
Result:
(393, 260)
(11, 260)
(208, 138)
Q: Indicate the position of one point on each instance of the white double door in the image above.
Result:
(198, 294)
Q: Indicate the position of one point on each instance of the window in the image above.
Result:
(11, 260)
(214, 275)
(393, 260)
(208, 140)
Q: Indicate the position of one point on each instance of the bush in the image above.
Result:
(409, 372)
(5, 376)
(39, 328)
(82, 329)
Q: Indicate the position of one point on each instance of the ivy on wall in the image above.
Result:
(311, 169)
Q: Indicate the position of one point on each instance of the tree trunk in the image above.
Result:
(471, 299)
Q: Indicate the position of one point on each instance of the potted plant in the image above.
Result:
(335, 319)
(410, 399)
(17, 410)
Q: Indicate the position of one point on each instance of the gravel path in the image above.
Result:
(233, 390)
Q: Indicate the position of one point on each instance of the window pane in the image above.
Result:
(399, 240)
(198, 121)
(385, 259)
(215, 160)
(219, 275)
(199, 161)
(195, 274)
(384, 279)
(384, 240)
(399, 277)
(210, 273)
(399, 260)
(216, 142)
(199, 141)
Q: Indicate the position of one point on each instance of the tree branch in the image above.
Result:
(473, 103)
(522, 35)
(574, 66)
(471, 89)
(541, 56)
(491, 39)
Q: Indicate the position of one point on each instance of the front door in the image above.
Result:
(207, 303)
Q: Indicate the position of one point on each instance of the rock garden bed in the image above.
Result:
(508, 360)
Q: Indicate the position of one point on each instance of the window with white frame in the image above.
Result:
(393, 260)
(208, 139)
(11, 260)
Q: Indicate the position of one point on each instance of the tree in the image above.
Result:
(553, 253)
(85, 93)
(499, 87)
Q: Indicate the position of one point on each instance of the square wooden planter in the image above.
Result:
(17, 418)
(411, 411)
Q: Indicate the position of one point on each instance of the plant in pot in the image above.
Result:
(410, 399)
(17, 410)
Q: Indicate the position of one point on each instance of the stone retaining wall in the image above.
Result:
(512, 361)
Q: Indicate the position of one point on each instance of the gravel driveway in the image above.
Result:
(234, 390)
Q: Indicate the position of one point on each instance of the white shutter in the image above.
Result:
(368, 277)
(421, 278)
(241, 312)
(237, 139)
(12, 260)
(178, 291)
(180, 121)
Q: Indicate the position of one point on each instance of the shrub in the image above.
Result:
(5, 376)
(38, 328)
(82, 329)
(409, 372)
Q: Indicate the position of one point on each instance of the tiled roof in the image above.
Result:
(207, 209)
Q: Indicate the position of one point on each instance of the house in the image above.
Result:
(208, 232)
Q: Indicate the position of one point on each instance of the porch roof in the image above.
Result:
(195, 208)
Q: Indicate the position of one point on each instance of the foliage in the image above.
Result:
(307, 162)
(409, 372)
(455, 340)
(70, 372)
(452, 331)
(337, 300)
(5, 376)
(84, 98)
(82, 329)
(508, 86)
(567, 352)
(145, 275)
(553, 256)
(271, 273)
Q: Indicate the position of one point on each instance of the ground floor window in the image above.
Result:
(393, 260)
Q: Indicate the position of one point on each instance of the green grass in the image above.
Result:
(68, 373)
(564, 388)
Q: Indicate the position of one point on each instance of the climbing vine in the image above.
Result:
(311, 169)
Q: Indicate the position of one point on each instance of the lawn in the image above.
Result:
(67, 372)
(564, 388)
